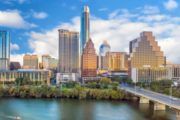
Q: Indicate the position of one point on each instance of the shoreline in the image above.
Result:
(51, 92)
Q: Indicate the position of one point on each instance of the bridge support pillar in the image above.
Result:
(159, 106)
(177, 115)
(143, 100)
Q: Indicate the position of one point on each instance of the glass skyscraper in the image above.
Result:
(4, 50)
(85, 27)
(68, 51)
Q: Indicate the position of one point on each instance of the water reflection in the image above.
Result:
(49, 109)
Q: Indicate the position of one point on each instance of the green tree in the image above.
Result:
(105, 82)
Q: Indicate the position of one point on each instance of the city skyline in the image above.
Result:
(122, 17)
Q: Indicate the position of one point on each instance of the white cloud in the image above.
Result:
(40, 15)
(12, 18)
(17, 58)
(118, 30)
(171, 4)
(14, 47)
(13, 1)
(150, 9)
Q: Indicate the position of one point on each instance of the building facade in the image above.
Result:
(89, 60)
(117, 61)
(149, 74)
(15, 66)
(49, 63)
(30, 62)
(144, 51)
(174, 71)
(68, 52)
(4, 50)
(102, 61)
(32, 75)
(85, 27)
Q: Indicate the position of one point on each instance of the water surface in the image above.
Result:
(66, 109)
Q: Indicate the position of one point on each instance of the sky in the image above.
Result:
(33, 24)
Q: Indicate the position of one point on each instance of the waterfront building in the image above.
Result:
(31, 74)
(89, 60)
(117, 61)
(65, 77)
(148, 74)
(30, 62)
(85, 27)
(4, 50)
(102, 61)
(174, 71)
(15, 66)
(68, 51)
(144, 51)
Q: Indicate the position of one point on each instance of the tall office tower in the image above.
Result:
(68, 51)
(85, 27)
(145, 52)
(4, 50)
(102, 61)
(117, 61)
(89, 60)
(30, 62)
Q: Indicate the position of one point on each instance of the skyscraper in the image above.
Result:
(89, 60)
(145, 52)
(68, 51)
(102, 61)
(4, 50)
(85, 27)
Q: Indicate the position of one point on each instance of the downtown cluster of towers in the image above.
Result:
(77, 57)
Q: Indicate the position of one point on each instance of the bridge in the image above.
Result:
(160, 100)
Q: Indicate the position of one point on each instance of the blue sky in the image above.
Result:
(33, 23)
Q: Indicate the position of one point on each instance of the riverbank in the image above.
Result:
(45, 91)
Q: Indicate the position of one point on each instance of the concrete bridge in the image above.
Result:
(160, 100)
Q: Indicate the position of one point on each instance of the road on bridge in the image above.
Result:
(153, 96)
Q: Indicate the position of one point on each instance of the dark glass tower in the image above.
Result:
(85, 27)
(4, 50)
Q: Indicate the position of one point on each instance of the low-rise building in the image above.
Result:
(148, 74)
(65, 77)
(32, 75)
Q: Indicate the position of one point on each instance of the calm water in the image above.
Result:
(50, 109)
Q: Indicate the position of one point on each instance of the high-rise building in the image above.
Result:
(85, 27)
(68, 51)
(30, 62)
(49, 63)
(117, 61)
(102, 61)
(145, 52)
(89, 60)
(4, 50)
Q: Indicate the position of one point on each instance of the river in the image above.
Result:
(68, 109)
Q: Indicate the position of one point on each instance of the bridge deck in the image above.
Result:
(153, 96)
